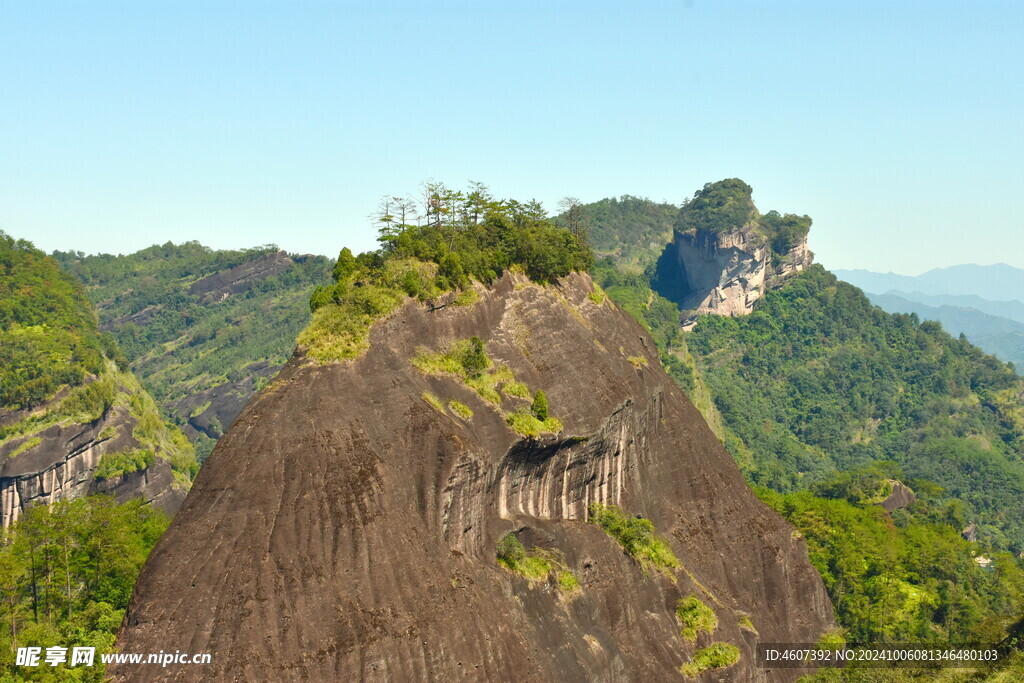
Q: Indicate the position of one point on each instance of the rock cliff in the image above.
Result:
(59, 461)
(345, 527)
(725, 255)
(72, 422)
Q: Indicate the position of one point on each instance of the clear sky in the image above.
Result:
(896, 125)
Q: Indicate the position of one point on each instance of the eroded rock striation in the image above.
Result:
(345, 526)
(60, 461)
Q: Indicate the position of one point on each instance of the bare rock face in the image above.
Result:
(345, 529)
(219, 286)
(59, 463)
(725, 273)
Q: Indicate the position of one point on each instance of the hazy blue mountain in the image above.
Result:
(998, 282)
(1014, 310)
(877, 283)
(955, 319)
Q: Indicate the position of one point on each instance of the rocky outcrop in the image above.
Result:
(725, 273)
(218, 286)
(900, 497)
(725, 255)
(59, 463)
(345, 528)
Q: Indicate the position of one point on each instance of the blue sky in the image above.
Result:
(896, 125)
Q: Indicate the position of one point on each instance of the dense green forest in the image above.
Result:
(184, 346)
(823, 400)
(48, 333)
(728, 205)
(633, 230)
(817, 380)
(66, 575)
(55, 362)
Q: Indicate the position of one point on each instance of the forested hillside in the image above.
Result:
(825, 401)
(66, 575)
(633, 230)
(88, 468)
(48, 335)
(57, 371)
(203, 329)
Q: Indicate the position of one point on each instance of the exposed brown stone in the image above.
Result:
(343, 529)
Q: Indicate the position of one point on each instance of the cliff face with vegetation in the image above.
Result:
(879, 436)
(377, 490)
(114, 443)
(725, 255)
(71, 422)
(202, 329)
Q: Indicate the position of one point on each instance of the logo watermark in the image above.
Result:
(86, 656)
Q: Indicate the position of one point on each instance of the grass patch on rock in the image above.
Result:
(433, 401)
(525, 423)
(694, 616)
(515, 389)
(636, 536)
(716, 656)
(26, 445)
(467, 360)
(461, 410)
(536, 564)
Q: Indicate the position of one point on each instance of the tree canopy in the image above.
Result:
(48, 334)
(718, 207)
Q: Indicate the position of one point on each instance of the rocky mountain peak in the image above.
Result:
(362, 510)
(725, 255)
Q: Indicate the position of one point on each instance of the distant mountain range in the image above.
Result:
(985, 303)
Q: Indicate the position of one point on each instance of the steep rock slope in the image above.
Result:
(345, 527)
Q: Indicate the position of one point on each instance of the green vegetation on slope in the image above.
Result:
(48, 333)
(694, 616)
(180, 343)
(66, 575)
(467, 360)
(715, 656)
(536, 564)
(817, 379)
(636, 536)
(907, 578)
(116, 464)
(467, 236)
